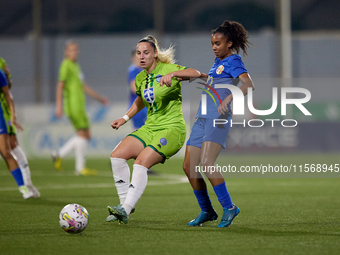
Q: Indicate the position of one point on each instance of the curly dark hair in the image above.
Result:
(236, 33)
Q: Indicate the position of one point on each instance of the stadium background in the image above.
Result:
(280, 214)
(107, 32)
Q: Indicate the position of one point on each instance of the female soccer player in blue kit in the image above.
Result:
(206, 141)
(5, 149)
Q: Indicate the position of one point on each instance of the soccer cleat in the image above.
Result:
(119, 212)
(203, 217)
(26, 193)
(36, 193)
(111, 217)
(228, 216)
(85, 171)
(56, 160)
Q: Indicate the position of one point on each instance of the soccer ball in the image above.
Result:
(73, 218)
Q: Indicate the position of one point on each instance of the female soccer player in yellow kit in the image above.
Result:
(164, 131)
(70, 98)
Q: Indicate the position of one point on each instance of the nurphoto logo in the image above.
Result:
(238, 105)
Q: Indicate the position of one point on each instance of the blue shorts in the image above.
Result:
(3, 126)
(203, 130)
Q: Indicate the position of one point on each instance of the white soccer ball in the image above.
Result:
(73, 218)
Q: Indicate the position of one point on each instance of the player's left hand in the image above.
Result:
(166, 79)
(223, 108)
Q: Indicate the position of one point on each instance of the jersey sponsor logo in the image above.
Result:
(204, 97)
(158, 77)
(163, 141)
(220, 69)
(149, 95)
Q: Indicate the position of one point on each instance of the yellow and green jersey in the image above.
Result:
(6, 111)
(164, 103)
(74, 97)
(2, 64)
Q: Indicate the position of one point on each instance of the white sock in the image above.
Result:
(81, 146)
(121, 176)
(23, 164)
(68, 146)
(136, 188)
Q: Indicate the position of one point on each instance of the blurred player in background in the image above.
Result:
(206, 142)
(71, 99)
(139, 119)
(11, 130)
(164, 131)
(5, 148)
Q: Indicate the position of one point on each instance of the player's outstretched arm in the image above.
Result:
(182, 74)
(89, 91)
(134, 109)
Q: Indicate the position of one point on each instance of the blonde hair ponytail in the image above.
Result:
(164, 55)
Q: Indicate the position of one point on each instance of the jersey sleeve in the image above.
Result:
(3, 80)
(237, 67)
(63, 71)
(2, 63)
(3, 66)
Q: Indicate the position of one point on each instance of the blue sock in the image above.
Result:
(203, 200)
(223, 195)
(18, 176)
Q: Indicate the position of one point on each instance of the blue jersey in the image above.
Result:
(224, 71)
(132, 73)
(139, 119)
(3, 83)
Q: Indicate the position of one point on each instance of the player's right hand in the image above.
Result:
(117, 123)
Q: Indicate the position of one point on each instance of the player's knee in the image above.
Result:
(120, 153)
(140, 161)
(186, 166)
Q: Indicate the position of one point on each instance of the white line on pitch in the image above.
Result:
(170, 180)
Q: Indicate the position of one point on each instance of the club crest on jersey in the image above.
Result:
(163, 141)
(158, 77)
(149, 95)
(220, 69)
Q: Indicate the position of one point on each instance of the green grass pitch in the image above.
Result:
(278, 215)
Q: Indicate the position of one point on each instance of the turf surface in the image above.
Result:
(278, 215)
